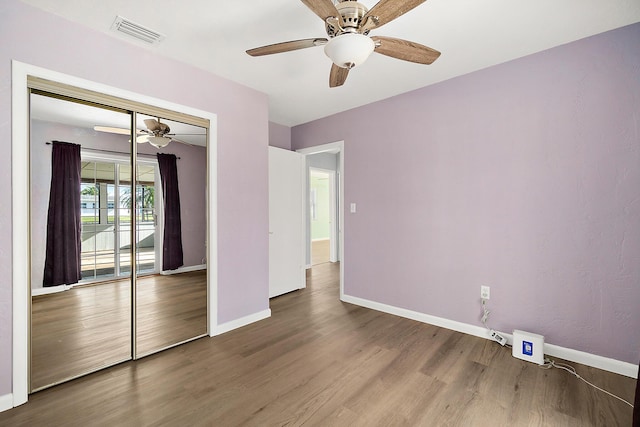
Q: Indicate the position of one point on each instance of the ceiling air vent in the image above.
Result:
(137, 31)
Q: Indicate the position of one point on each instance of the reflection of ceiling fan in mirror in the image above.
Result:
(157, 133)
(348, 23)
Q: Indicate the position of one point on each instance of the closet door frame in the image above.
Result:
(23, 76)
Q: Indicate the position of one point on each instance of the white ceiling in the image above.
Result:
(471, 34)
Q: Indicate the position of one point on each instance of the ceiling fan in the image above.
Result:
(156, 133)
(348, 23)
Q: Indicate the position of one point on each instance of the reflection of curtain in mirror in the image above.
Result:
(172, 240)
(62, 262)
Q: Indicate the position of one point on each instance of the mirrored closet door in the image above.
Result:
(118, 246)
(171, 307)
(81, 295)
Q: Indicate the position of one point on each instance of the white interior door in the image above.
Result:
(286, 243)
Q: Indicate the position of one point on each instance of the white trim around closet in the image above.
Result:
(20, 205)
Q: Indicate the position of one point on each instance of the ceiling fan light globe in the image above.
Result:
(141, 139)
(349, 49)
(159, 141)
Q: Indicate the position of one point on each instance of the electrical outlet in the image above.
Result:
(485, 292)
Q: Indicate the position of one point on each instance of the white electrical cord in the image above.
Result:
(553, 364)
(495, 335)
(485, 316)
(548, 362)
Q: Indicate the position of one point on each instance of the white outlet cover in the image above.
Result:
(485, 292)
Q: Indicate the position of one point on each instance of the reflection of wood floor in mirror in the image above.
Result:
(89, 327)
(171, 309)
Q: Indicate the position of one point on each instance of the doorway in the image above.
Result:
(317, 157)
(322, 215)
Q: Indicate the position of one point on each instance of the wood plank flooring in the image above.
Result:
(320, 252)
(319, 361)
(89, 327)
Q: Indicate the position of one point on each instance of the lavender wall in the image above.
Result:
(192, 173)
(42, 39)
(524, 176)
(279, 136)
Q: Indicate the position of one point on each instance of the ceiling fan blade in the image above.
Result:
(156, 127)
(152, 124)
(324, 9)
(386, 11)
(286, 46)
(405, 50)
(109, 129)
(338, 76)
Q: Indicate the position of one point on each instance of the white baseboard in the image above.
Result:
(606, 364)
(6, 402)
(50, 290)
(184, 269)
(593, 360)
(62, 288)
(243, 321)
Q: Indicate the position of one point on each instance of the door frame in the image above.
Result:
(20, 206)
(334, 148)
(333, 234)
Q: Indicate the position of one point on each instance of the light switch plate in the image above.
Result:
(353, 208)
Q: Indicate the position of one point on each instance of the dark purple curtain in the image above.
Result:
(172, 246)
(62, 262)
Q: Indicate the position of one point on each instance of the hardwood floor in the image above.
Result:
(319, 361)
(89, 327)
(320, 251)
